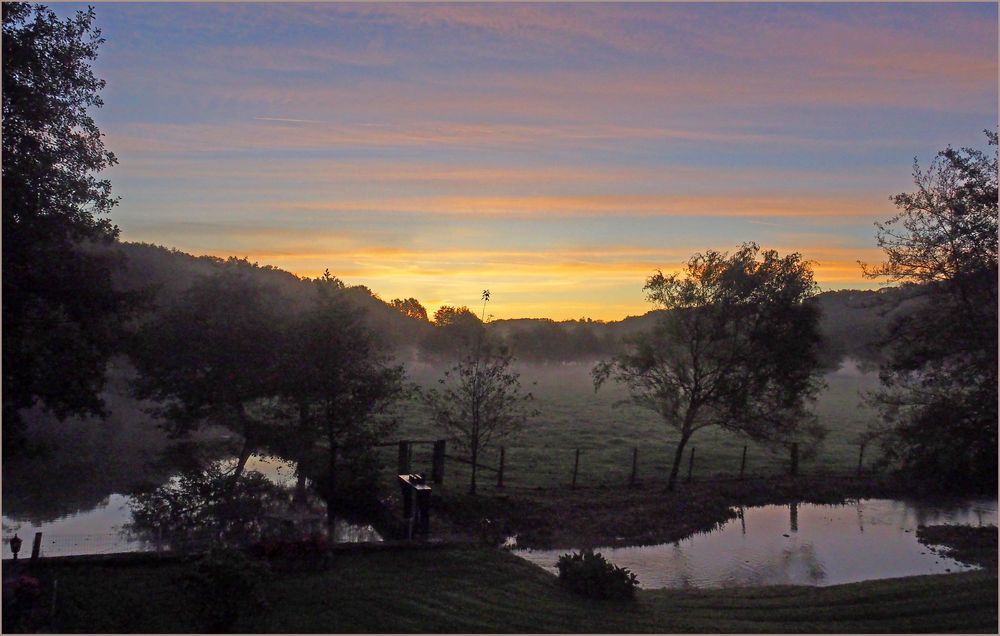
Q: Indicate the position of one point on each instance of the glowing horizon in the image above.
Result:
(557, 155)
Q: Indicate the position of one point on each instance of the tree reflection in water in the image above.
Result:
(207, 506)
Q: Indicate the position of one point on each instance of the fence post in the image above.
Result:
(795, 459)
(743, 461)
(36, 547)
(437, 469)
(861, 457)
(635, 463)
(503, 454)
(576, 466)
(690, 464)
(403, 462)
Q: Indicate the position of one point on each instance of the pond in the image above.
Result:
(101, 530)
(798, 544)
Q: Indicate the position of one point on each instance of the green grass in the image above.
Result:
(482, 590)
(573, 416)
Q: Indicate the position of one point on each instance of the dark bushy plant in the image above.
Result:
(591, 575)
(226, 584)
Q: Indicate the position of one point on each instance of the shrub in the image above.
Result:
(591, 575)
(225, 583)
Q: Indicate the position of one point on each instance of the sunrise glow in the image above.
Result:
(557, 155)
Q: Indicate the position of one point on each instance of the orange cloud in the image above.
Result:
(625, 205)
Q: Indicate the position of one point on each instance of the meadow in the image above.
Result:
(573, 416)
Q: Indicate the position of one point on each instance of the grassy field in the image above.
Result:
(482, 590)
(573, 416)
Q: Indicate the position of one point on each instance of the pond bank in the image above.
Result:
(977, 546)
(595, 517)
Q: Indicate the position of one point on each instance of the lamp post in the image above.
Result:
(15, 545)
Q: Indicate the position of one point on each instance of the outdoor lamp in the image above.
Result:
(15, 545)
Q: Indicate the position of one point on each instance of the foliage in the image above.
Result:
(210, 357)
(206, 506)
(455, 329)
(227, 585)
(61, 317)
(20, 604)
(339, 380)
(939, 393)
(409, 307)
(479, 401)
(589, 574)
(736, 348)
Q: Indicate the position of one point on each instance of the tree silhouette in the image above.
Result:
(61, 317)
(211, 356)
(736, 348)
(939, 393)
(338, 377)
(480, 400)
(409, 307)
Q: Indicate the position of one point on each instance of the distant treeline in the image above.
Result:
(852, 320)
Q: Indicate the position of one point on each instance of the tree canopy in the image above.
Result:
(61, 315)
(480, 401)
(338, 377)
(736, 348)
(211, 356)
(939, 393)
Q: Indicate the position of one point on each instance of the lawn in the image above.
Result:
(574, 416)
(484, 590)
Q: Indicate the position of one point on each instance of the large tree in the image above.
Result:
(736, 348)
(61, 316)
(939, 393)
(211, 356)
(338, 378)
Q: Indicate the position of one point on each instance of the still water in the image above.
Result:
(101, 530)
(798, 544)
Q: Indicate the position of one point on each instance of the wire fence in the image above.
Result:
(615, 466)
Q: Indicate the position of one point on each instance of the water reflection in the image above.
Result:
(189, 508)
(800, 544)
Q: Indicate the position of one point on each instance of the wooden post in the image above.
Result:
(55, 592)
(576, 466)
(36, 547)
(437, 469)
(403, 460)
(635, 465)
(743, 461)
(423, 510)
(690, 464)
(503, 454)
(861, 457)
(795, 459)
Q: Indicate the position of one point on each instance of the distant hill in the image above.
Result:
(851, 320)
(169, 272)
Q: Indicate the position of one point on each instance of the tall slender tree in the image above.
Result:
(480, 400)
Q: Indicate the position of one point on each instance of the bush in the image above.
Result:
(225, 583)
(591, 575)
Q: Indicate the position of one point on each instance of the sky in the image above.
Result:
(555, 154)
